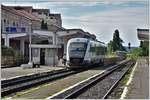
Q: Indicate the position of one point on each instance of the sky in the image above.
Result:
(99, 17)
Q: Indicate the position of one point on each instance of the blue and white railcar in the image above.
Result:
(82, 51)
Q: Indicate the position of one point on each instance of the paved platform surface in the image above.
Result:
(19, 71)
(139, 87)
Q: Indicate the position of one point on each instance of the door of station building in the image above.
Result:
(36, 55)
(42, 56)
(61, 52)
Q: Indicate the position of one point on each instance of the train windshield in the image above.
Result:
(77, 49)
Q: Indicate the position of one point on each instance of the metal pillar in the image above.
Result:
(30, 41)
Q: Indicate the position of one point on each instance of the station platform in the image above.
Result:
(139, 86)
(7, 73)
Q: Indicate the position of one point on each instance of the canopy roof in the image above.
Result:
(143, 34)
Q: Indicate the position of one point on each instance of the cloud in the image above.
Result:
(34, 5)
(69, 2)
(127, 17)
(103, 24)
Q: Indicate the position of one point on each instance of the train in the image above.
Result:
(85, 52)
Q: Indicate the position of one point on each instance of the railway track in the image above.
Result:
(98, 87)
(21, 83)
(11, 86)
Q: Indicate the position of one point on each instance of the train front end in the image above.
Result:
(76, 50)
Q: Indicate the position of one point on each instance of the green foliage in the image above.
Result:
(117, 42)
(145, 48)
(44, 25)
(17, 56)
(135, 53)
(7, 51)
(110, 48)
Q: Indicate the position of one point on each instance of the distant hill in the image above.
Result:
(127, 49)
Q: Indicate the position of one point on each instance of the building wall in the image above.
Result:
(55, 19)
(49, 18)
(36, 25)
(51, 57)
(52, 28)
(12, 20)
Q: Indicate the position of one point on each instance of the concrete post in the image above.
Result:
(30, 59)
(22, 46)
(7, 40)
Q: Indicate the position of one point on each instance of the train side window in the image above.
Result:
(97, 50)
(91, 48)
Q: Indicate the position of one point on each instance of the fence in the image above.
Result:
(11, 61)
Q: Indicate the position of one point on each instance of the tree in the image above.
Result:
(135, 53)
(109, 47)
(117, 42)
(144, 45)
(44, 25)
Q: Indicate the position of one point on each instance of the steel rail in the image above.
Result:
(18, 80)
(92, 82)
(9, 87)
(116, 83)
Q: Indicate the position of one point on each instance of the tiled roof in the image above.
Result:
(21, 13)
(28, 15)
(11, 10)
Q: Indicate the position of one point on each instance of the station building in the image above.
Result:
(48, 46)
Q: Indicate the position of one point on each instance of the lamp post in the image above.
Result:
(30, 39)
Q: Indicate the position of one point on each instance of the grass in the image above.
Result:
(18, 94)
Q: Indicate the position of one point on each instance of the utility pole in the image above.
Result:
(54, 49)
(30, 41)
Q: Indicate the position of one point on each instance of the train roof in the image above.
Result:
(87, 40)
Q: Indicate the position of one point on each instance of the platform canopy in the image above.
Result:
(143, 34)
(36, 37)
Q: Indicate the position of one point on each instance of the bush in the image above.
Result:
(7, 51)
(18, 58)
(135, 53)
